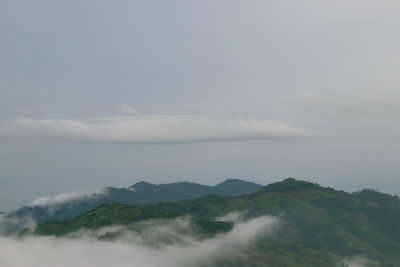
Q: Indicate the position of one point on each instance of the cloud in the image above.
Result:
(16, 222)
(382, 104)
(25, 218)
(86, 250)
(53, 203)
(153, 129)
(126, 110)
(358, 261)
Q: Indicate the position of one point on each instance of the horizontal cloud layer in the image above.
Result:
(383, 104)
(153, 129)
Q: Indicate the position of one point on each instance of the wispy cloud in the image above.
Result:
(379, 104)
(153, 129)
(16, 222)
(126, 110)
(53, 203)
(358, 261)
(84, 250)
(25, 218)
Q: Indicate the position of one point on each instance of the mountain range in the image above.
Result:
(140, 193)
(319, 226)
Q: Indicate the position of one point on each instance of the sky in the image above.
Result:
(98, 93)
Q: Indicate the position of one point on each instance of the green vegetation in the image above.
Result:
(141, 193)
(319, 226)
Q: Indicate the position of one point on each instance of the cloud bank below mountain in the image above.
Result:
(85, 250)
(154, 129)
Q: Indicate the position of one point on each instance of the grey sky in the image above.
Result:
(313, 86)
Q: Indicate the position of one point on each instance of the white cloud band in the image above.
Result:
(153, 129)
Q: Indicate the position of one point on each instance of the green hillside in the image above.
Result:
(319, 225)
(141, 193)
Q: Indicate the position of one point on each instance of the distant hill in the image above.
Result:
(141, 193)
(319, 225)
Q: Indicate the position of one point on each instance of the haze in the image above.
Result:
(96, 93)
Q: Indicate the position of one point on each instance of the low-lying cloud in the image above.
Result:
(134, 249)
(153, 129)
(7, 223)
(45, 207)
(358, 261)
(54, 203)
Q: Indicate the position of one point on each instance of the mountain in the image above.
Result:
(141, 193)
(319, 225)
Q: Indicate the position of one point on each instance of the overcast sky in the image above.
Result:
(96, 93)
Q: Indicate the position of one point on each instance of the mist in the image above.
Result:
(358, 261)
(147, 247)
(54, 203)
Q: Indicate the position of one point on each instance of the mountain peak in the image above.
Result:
(236, 187)
(142, 185)
(233, 180)
(140, 193)
(291, 184)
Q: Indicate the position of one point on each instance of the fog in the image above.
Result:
(358, 261)
(16, 222)
(185, 72)
(158, 243)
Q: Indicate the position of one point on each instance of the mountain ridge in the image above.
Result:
(141, 193)
(319, 225)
